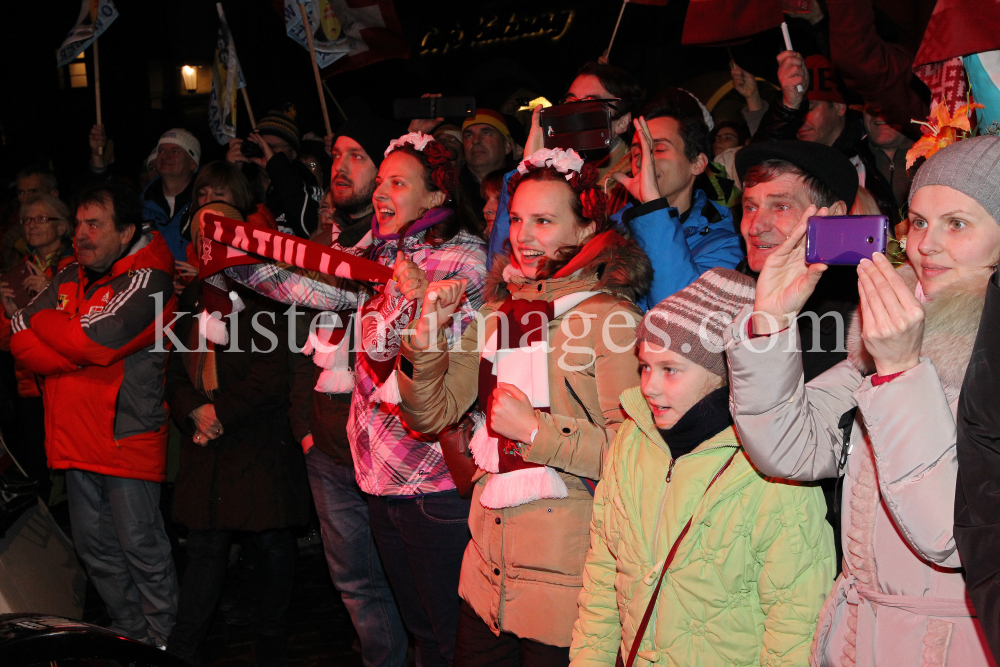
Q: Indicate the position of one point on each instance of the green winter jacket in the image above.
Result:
(748, 580)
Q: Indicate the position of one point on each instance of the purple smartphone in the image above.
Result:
(845, 239)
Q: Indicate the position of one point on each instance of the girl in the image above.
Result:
(566, 295)
(735, 565)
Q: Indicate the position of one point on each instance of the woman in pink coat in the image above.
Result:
(901, 599)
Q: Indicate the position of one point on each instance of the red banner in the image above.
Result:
(226, 242)
(960, 28)
(711, 21)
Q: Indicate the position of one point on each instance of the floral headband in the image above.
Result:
(443, 172)
(581, 176)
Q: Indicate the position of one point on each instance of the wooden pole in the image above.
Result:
(97, 91)
(232, 40)
(330, 93)
(246, 101)
(319, 79)
(615, 31)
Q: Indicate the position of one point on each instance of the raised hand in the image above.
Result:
(642, 186)
(745, 84)
(536, 140)
(425, 125)
(440, 303)
(786, 282)
(410, 278)
(793, 77)
(892, 318)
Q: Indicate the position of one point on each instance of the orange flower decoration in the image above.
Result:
(941, 130)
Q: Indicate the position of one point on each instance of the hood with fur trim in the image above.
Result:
(951, 322)
(622, 270)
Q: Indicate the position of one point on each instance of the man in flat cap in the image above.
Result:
(781, 179)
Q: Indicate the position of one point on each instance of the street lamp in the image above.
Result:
(190, 76)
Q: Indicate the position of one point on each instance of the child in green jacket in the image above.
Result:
(753, 556)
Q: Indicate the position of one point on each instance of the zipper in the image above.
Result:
(673, 462)
(670, 470)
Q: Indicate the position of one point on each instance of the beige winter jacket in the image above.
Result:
(901, 600)
(523, 569)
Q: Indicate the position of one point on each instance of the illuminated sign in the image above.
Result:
(495, 30)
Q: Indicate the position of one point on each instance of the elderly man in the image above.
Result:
(166, 199)
(92, 334)
(781, 180)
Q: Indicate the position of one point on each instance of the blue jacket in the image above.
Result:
(156, 211)
(682, 247)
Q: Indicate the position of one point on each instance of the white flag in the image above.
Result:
(95, 16)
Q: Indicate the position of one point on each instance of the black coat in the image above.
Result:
(253, 476)
(977, 491)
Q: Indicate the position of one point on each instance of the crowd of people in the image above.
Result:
(604, 411)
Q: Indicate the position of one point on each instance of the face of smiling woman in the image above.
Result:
(401, 195)
(542, 222)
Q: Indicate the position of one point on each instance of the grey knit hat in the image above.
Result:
(691, 321)
(971, 166)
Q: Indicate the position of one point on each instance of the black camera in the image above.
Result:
(250, 149)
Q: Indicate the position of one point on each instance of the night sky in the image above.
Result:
(151, 40)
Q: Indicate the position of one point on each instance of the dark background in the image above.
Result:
(141, 53)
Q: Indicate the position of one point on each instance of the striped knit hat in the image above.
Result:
(280, 124)
(691, 321)
(491, 118)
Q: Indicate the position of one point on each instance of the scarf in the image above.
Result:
(515, 481)
(705, 419)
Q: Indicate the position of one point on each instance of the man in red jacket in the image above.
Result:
(91, 334)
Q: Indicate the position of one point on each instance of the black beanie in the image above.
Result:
(281, 124)
(372, 133)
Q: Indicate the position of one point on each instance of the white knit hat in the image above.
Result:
(181, 137)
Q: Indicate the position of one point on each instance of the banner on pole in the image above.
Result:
(227, 79)
(350, 33)
(95, 17)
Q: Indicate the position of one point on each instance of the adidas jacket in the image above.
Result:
(103, 381)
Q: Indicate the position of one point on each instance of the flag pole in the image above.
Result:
(330, 93)
(232, 40)
(312, 56)
(607, 52)
(97, 91)
(246, 101)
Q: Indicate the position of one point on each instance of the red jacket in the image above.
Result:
(103, 365)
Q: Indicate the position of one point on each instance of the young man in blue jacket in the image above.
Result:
(682, 231)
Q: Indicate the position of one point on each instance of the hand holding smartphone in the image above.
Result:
(844, 240)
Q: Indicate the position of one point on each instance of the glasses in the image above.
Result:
(39, 220)
(326, 212)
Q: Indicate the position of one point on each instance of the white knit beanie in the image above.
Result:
(181, 137)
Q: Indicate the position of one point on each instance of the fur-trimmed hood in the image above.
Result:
(623, 270)
(951, 322)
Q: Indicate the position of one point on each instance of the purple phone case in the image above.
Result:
(845, 239)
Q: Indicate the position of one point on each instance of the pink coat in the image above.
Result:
(901, 599)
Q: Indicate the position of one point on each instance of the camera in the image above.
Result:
(250, 149)
(582, 126)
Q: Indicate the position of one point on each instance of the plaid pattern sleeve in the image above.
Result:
(292, 285)
(389, 458)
